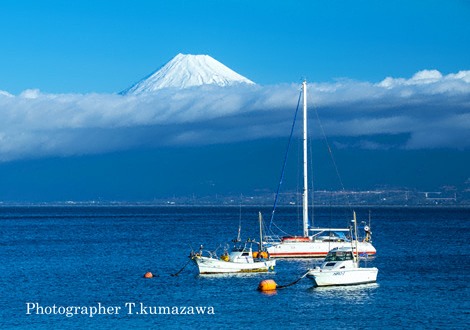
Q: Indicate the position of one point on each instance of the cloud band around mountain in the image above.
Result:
(432, 109)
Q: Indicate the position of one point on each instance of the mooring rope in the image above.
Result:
(177, 273)
(290, 284)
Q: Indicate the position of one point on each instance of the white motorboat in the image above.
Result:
(314, 242)
(341, 267)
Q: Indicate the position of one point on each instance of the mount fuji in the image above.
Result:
(185, 71)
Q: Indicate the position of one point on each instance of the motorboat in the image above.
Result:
(341, 267)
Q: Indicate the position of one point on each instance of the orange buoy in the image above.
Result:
(255, 254)
(148, 275)
(264, 255)
(267, 285)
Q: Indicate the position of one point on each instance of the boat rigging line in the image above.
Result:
(285, 162)
(330, 152)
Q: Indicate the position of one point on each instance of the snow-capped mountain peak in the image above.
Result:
(187, 71)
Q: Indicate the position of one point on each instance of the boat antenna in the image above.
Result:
(260, 218)
(240, 221)
(355, 238)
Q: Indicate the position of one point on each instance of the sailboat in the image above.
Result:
(341, 267)
(240, 259)
(314, 242)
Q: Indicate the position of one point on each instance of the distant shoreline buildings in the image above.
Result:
(448, 196)
(336, 198)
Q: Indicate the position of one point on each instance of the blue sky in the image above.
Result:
(390, 81)
(104, 46)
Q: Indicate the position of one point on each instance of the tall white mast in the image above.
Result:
(305, 192)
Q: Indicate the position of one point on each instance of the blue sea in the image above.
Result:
(54, 257)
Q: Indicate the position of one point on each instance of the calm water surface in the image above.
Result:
(82, 256)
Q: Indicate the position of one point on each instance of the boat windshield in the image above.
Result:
(339, 256)
(332, 235)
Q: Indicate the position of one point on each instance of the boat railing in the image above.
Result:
(329, 234)
(204, 253)
(272, 239)
(321, 230)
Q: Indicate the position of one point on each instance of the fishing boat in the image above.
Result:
(239, 259)
(341, 267)
(314, 242)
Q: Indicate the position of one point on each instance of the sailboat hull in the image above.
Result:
(332, 277)
(313, 249)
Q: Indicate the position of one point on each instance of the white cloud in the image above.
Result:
(6, 94)
(427, 77)
(433, 109)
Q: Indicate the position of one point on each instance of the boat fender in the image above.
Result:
(267, 285)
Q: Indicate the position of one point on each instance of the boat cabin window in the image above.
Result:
(339, 256)
(245, 254)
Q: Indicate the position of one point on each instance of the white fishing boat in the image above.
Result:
(240, 259)
(341, 267)
(314, 242)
